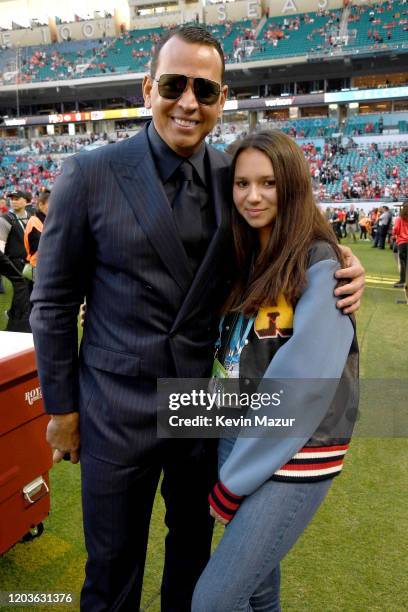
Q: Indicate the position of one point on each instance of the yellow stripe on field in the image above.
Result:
(381, 281)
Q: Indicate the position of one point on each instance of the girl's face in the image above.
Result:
(254, 191)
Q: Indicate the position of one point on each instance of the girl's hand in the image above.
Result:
(218, 517)
(353, 290)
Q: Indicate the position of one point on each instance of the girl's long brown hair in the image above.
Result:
(281, 267)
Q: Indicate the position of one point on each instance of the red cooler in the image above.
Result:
(25, 456)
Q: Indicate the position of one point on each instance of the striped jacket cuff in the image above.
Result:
(313, 463)
(224, 502)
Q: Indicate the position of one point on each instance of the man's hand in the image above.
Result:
(63, 436)
(217, 517)
(354, 289)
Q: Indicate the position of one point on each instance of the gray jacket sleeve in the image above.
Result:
(315, 354)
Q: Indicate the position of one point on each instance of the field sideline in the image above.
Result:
(352, 557)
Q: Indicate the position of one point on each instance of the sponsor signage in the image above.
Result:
(231, 105)
(279, 102)
(69, 117)
(362, 95)
(15, 122)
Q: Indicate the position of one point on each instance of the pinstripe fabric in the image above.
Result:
(110, 236)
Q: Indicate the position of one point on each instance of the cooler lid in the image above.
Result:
(17, 357)
(13, 342)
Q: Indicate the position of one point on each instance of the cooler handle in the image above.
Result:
(35, 487)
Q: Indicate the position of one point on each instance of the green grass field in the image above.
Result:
(352, 558)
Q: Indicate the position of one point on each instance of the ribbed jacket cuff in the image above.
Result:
(224, 502)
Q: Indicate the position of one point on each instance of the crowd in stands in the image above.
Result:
(277, 30)
(374, 26)
(358, 172)
(383, 20)
(27, 173)
(339, 169)
(50, 64)
(45, 145)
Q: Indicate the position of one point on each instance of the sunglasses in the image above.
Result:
(172, 87)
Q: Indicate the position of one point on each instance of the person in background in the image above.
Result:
(374, 216)
(336, 223)
(365, 227)
(34, 228)
(3, 206)
(342, 217)
(3, 209)
(383, 224)
(400, 231)
(351, 222)
(12, 226)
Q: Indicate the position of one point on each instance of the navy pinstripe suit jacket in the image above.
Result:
(110, 236)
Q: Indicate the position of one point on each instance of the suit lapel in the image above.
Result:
(138, 179)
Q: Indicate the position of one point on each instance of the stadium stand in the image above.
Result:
(360, 28)
(377, 124)
(295, 35)
(308, 128)
(379, 25)
(342, 171)
(344, 158)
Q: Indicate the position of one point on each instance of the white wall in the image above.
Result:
(234, 11)
(291, 7)
(81, 30)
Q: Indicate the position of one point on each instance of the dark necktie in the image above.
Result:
(187, 212)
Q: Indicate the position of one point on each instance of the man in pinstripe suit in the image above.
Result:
(153, 282)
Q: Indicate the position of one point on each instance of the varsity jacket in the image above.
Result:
(312, 341)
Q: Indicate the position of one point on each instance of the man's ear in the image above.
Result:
(146, 90)
(224, 93)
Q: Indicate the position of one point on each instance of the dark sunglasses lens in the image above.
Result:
(171, 86)
(206, 91)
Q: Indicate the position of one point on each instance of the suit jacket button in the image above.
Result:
(148, 287)
(246, 381)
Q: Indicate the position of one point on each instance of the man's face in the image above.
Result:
(18, 204)
(184, 123)
(43, 207)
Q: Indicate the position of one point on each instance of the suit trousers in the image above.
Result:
(117, 505)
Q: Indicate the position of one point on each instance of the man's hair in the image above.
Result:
(44, 196)
(192, 34)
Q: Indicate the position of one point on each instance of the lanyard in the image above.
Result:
(238, 340)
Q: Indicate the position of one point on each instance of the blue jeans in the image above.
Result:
(243, 573)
